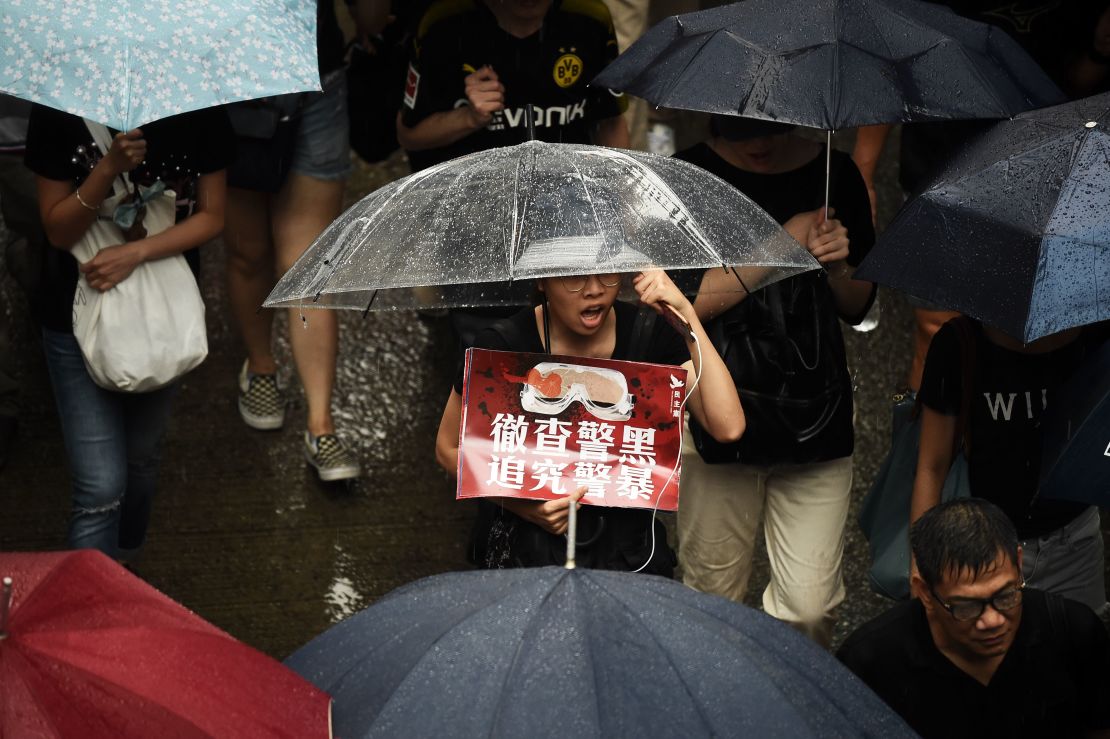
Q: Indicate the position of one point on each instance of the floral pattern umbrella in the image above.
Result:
(124, 64)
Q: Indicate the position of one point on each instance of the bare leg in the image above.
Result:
(303, 208)
(250, 273)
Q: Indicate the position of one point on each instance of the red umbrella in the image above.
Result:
(87, 649)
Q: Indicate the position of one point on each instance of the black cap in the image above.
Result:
(735, 128)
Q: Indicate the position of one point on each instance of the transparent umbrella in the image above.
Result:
(482, 227)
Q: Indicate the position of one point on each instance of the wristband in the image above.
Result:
(81, 200)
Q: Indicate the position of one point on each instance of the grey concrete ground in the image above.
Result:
(243, 533)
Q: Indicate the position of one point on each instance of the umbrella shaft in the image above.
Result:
(5, 604)
(572, 533)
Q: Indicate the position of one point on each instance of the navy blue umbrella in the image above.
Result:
(1015, 232)
(582, 653)
(1076, 457)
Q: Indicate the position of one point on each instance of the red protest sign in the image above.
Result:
(539, 426)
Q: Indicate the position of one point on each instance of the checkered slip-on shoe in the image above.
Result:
(331, 458)
(261, 403)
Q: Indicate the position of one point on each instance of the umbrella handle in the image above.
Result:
(5, 605)
(572, 533)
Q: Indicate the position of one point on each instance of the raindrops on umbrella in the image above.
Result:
(483, 227)
(1014, 231)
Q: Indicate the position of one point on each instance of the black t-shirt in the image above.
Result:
(783, 196)
(549, 69)
(1010, 395)
(622, 534)
(1054, 681)
(179, 150)
(664, 347)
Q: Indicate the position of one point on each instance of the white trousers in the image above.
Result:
(803, 508)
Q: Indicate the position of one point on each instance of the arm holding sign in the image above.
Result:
(550, 515)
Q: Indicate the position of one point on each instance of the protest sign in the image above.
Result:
(539, 426)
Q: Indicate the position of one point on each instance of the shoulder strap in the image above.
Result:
(639, 342)
(103, 141)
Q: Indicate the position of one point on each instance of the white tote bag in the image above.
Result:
(148, 330)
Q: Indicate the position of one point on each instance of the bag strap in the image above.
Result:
(103, 140)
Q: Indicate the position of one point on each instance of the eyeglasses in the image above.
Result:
(576, 283)
(969, 609)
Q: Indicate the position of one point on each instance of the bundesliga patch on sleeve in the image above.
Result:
(412, 85)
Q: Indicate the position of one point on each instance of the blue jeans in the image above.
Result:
(112, 442)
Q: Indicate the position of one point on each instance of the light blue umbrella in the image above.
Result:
(124, 63)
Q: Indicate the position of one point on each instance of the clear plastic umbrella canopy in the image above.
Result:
(482, 227)
(1016, 231)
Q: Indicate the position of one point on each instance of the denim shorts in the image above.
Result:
(323, 137)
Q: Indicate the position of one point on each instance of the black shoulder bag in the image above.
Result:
(783, 347)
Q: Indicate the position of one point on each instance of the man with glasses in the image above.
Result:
(977, 653)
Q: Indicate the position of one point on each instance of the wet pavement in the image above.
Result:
(245, 535)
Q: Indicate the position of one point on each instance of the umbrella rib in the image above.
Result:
(351, 246)
(114, 687)
(519, 213)
(529, 627)
(1039, 273)
(678, 77)
(589, 199)
(801, 673)
(670, 661)
(398, 636)
(690, 228)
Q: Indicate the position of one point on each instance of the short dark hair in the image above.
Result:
(963, 535)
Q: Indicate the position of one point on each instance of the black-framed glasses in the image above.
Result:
(577, 283)
(969, 609)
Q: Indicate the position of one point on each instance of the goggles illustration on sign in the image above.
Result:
(551, 387)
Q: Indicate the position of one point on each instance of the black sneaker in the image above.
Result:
(261, 403)
(331, 457)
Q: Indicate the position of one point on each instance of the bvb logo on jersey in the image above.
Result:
(568, 68)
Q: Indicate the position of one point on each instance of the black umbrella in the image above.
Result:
(832, 64)
(543, 652)
(1015, 232)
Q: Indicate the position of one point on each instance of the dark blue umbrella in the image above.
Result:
(1015, 232)
(540, 652)
(1076, 461)
(832, 64)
